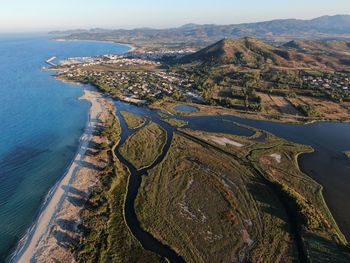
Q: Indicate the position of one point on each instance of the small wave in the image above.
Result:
(25, 240)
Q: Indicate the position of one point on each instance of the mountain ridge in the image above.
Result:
(279, 30)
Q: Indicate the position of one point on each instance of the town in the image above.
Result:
(134, 80)
(161, 54)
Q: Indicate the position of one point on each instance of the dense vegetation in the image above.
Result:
(106, 237)
(143, 147)
(133, 121)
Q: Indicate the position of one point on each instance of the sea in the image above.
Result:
(41, 121)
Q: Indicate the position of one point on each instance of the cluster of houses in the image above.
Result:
(129, 80)
(330, 82)
(117, 60)
(160, 54)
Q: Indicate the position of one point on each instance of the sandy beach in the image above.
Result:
(56, 227)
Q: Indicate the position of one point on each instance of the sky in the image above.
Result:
(43, 15)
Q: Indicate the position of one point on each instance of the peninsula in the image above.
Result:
(167, 158)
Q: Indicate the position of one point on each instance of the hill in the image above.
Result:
(253, 53)
(247, 52)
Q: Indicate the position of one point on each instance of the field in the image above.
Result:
(276, 159)
(133, 121)
(143, 147)
(326, 108)
(174, 122)
(214, 198)
(220, 197)
(211, 208)
(277, 104)
(119, 68)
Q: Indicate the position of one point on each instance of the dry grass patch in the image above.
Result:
(210, 208)
(143, 147)
(133, 121)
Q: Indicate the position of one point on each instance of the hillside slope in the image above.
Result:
(253, 53)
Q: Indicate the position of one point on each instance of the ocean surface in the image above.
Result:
(41, 120)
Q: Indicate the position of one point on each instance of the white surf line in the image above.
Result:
(43, 223)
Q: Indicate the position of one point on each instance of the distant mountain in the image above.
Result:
(253, 53)
(80, 31)
(325, 25)
(322, 28)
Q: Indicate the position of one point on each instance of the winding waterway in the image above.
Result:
(327, 164)
(147, 240)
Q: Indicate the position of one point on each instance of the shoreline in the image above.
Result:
(30, 243)
(130, 46)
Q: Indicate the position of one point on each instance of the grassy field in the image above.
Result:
(273, 104)
(133, 121)
(327, 109)
(106, 237)
(174, 122)
(322, 238)
(210, 208)
(117, 68)
(143, 147)
(214, 198)
(277, 161)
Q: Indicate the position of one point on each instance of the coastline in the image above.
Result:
(130, 46)
(78, 175)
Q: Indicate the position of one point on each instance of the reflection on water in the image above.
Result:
(185, 108)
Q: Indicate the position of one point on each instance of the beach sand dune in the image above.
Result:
(56, 228)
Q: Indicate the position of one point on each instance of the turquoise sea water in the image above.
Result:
(41, 120)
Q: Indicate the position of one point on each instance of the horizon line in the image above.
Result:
(88, 28)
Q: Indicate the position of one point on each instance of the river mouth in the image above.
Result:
(327, 165)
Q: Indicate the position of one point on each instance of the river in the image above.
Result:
(328, 165)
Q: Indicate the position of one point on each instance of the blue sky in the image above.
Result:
(38, 15)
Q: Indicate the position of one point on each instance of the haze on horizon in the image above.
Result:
(38, 15)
